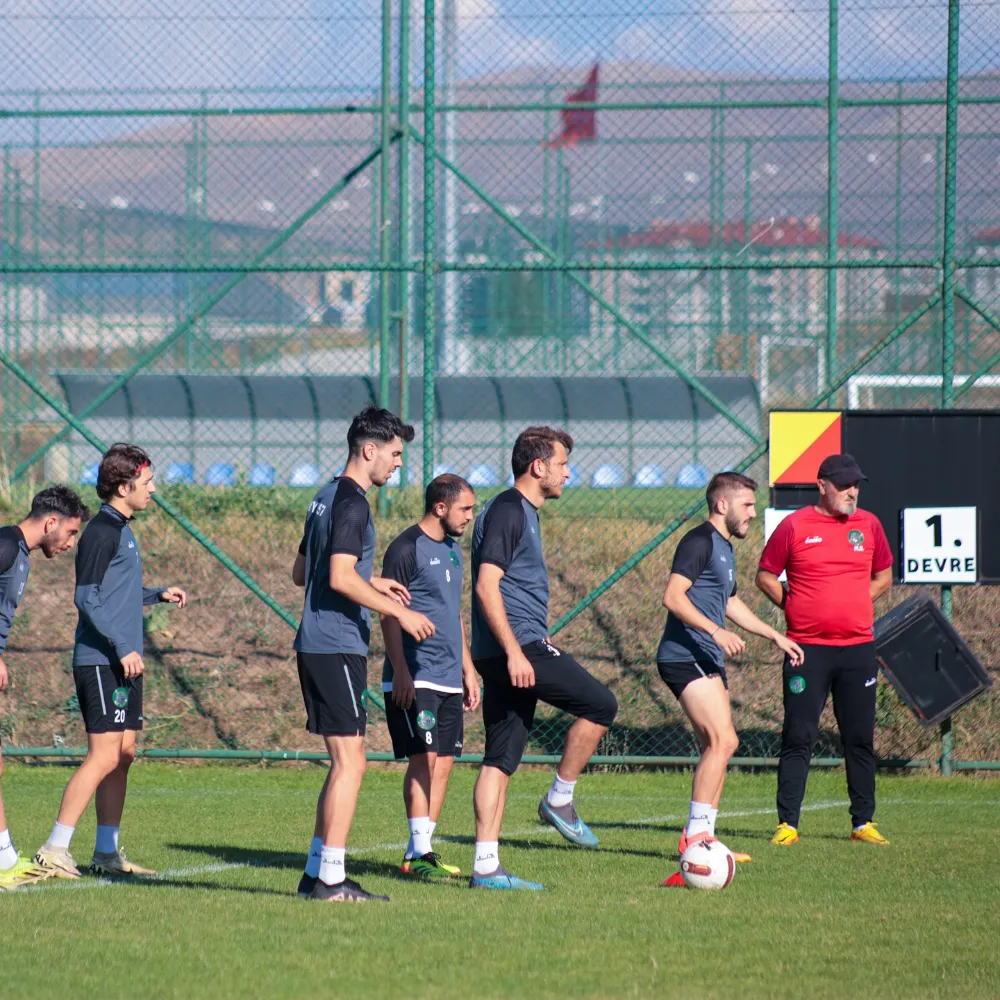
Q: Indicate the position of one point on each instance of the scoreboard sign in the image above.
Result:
(939, 545)
(939, 466)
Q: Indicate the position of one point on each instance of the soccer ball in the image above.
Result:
(707, 865)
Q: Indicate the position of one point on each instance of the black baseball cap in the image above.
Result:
(841, 470)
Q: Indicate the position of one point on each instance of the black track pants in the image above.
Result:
(850, 674)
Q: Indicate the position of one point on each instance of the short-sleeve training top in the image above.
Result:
(705, 558)
(339, 520)
(507, 534)
(15, 564)
(432, 572)
(830, 562)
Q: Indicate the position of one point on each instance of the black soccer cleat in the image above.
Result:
(347, 891)
(306, 885)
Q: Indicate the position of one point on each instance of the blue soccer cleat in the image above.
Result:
(502, 879)
(567, 822)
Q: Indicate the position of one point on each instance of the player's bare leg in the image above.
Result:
(347, 769)
(706, 704)
(109, 858)
(424, 786)
(439, 785)
(103, 754)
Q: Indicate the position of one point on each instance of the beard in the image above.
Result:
(736, 526)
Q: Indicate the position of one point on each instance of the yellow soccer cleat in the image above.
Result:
(116, 864)
(868, 834)
(22, 872)
(785, 835)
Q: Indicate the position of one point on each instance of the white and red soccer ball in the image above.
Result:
(707, 864)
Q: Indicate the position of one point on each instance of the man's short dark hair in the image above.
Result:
(120, 466)
(727, 482)
(375, 424)
(446, 489)
(59, 500)
(534, 443)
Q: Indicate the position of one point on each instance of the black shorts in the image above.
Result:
(678, 675)
(432, 724)
(109, 701)
(332, 686)
(560, 681)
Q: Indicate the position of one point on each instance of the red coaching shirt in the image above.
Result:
(829, 562)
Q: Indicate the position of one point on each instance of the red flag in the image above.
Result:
(579, 124)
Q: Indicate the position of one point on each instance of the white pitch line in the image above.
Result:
(537, 830)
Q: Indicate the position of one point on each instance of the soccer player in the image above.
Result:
(518, 664)
(838, 563)
(427, 684)
(52, 526)
(334, 564)
(700, 596)
(107, 663)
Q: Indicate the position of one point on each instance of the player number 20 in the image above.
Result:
(119, 716)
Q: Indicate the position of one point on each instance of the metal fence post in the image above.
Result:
(948, 286)
(832, 207)
(430, 340)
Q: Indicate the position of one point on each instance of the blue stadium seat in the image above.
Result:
(261, 474)
(304, 474)
(178, 473)
(220, 474)
(650, 477)
(440, 469)
(510, 479)
(88, 475)
(482, 476)
(608, 476)
(692, 477)
(574, 477)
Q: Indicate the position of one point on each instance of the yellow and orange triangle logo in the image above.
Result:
(800, 440)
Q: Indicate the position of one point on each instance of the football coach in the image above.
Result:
(837, 562)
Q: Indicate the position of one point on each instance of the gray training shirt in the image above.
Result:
(339, 520)
(14, 568)
(706, 559)
(507, 534)
(109, 593)
(432, 572)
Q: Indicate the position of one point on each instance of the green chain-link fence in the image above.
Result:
(649, 225)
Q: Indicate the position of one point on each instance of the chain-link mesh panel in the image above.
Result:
(648, 226)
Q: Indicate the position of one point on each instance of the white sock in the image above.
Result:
(433, 827)
(331, 865)
(420, 835)
(409, 849)
(713, 815)
(313, 858)
(61, 836)
(561, 792)
(8, 855)
(487, 857)
(107, 840)
(698, 818)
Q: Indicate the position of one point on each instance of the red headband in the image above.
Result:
(145, 465)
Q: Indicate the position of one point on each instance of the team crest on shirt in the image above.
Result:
(453, 556)
(857, 539)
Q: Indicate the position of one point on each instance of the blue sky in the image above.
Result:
(308, 43)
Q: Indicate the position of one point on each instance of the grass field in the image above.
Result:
(826, 918)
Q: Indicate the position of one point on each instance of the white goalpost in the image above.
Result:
(858, 382)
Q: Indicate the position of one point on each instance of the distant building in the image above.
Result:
(689, 308)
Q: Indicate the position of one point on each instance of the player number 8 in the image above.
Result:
(428, 739)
